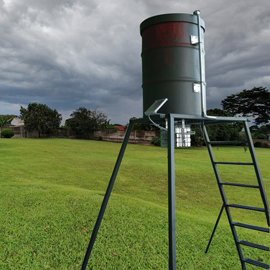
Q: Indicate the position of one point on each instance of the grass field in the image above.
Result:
(51, 190)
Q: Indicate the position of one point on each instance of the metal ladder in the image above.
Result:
(227, 206)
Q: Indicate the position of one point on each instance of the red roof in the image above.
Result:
(120, 127)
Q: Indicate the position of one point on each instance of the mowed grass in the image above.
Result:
(51, 191)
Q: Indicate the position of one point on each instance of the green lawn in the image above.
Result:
(51, 190)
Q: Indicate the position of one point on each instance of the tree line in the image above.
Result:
(46, 121)
(253, 104)
(83, 122)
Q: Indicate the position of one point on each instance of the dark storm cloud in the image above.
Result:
(237, 41)
(69, 54)
(66, 55)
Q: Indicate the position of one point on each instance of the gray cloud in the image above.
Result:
(87, 53)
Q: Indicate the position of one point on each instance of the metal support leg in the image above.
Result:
(215, 227)
(171, 195)
(107, 196)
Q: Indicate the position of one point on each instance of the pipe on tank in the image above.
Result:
(202, 68)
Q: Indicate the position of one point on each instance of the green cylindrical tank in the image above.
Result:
(173, 63)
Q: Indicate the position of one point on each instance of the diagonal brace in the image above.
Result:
(214, 229)
(107, 195)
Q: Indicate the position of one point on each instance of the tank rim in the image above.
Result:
(170, 17)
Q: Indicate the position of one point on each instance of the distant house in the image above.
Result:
(17, 125)
(120, 128)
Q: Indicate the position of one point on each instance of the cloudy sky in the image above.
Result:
(72, 53)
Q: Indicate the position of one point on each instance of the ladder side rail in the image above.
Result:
(223, 196)
(257, 172)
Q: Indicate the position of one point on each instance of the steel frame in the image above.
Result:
(171, 118)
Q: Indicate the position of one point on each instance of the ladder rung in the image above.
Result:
(251, 227)
(233, 163)
(256, 263)
(227, 143)
(246, 207)
(239, 185)
(246, 243)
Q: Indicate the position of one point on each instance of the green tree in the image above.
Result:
(217, 132)
(7, 133)
(261, 132)
(254, 102)
(144, 126)
(5, 120)
(84, 122)
(40, 118)
(223, 132)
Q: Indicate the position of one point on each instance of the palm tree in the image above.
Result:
(4, 120)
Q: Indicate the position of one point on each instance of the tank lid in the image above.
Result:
(172, 17)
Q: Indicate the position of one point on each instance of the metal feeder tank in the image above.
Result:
(173, 63)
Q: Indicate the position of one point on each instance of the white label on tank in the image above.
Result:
(196, 88)
(194, 40)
